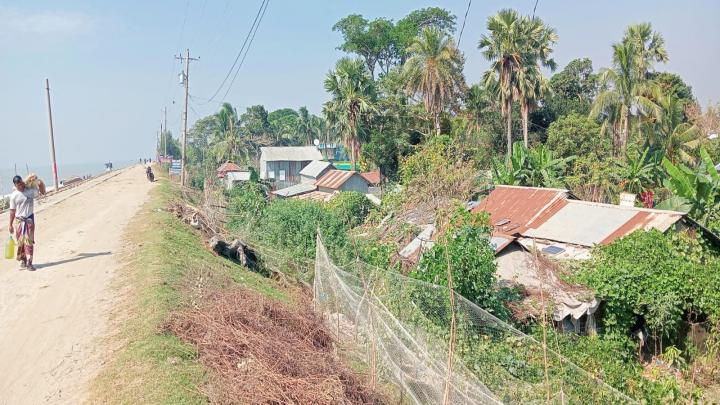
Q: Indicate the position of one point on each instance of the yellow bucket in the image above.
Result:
(10, 248)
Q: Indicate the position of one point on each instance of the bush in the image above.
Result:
(246, 205)
(466, 246)
(351, 207)
(292, 225)
(648, 276)
(577, 135)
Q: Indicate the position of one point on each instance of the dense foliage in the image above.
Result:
(645, 280)
(400, 103)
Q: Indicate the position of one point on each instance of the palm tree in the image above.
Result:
(624, 95)
(305, 125)
(226, 140)
(679, 140)
(434, 69)
(504, 46)
(353, 95)
(532, 86)
(649, 47)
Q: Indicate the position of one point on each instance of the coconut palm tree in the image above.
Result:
(305, 125)
(434, 70)
(504, 46)
(680, 140)
(225, 138)
(624, 96)
(353, 95)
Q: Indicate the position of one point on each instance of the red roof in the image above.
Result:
(514, 209)
(335, 179)
(372, 177)
(228, 167)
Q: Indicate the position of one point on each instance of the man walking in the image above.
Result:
(22, 219)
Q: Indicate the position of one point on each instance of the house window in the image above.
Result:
(271, 174)
(282, 175)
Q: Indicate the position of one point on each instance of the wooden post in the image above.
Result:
(52, 137)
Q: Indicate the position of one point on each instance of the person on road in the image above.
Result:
(22, 219)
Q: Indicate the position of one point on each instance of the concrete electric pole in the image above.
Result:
(186, 82)
(52, 137)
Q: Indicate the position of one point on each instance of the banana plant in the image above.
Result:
(536, 167)
(696, 192)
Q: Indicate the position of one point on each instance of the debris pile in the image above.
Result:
(263, 351)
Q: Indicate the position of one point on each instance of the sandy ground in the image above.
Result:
(51, 319)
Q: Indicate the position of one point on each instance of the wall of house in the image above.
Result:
(284, 172)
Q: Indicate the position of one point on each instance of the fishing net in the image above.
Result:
(440, 348)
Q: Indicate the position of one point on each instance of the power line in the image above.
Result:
(464, 19)
(246, 50)
(242, 48)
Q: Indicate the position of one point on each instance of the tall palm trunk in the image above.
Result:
(524, 110)
(625, 122)
(508, 125)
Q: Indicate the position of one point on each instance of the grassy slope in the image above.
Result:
(167, 268)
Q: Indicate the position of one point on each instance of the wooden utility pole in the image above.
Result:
(165, 135)
(52, 137)
(186, 82)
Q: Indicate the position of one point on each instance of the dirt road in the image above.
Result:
(51, 319)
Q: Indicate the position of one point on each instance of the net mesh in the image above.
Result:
(441, 348)
(433, 344)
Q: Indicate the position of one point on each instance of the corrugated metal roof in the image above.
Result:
(334, 179)
(315, 168)
(512, 208)
(316, 196)
(297, 189)
(290, 153)
(372, 177)
(587, 223)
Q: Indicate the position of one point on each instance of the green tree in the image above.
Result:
(577, 135)
(572, 90)
(283, 125)
(649, 47)
(532, 85)
(504, 46)
(625, 96)
(353, 95)
(371, 40)
(305, 125)
(409, 27)
(434, 70)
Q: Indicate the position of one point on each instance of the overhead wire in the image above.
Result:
(464, 20)
(267, 2)
(242, 49)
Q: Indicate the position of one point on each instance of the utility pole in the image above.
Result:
(52, 136)
(165, 135)
(186, 82)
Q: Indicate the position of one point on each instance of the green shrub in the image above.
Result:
(351, 207)
(291, 225)
(647, 274)
(466, 248)
(246, 205)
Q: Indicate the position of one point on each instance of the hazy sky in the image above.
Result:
(111, 64)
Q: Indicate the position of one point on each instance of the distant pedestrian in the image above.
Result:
(22, 218)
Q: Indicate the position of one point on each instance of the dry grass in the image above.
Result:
(262, 351)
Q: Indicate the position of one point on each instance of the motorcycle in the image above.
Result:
(150, 175)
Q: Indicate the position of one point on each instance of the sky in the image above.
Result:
(112, 66)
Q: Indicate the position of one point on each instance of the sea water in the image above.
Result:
(64, 172)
